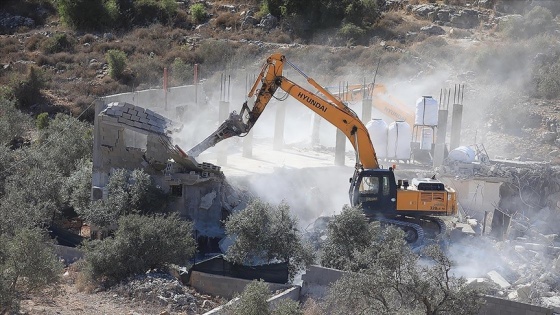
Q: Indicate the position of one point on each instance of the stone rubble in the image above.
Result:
(162, 289)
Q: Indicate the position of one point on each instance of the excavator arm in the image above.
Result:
(332, 110)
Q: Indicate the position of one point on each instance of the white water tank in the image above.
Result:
(399, 138)
(377, 129)
(462, 154)
(426, 111)
(427, 138)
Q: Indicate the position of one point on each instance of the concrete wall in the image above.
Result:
(497, 306)
(291, 293)
(317, 279)
(224, 286)
(476, 196)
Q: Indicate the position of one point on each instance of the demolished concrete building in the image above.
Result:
(131, 137)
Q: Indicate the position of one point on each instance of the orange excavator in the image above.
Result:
(407, 205)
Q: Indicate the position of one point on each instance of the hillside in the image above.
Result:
(415, 57)
(505, 56)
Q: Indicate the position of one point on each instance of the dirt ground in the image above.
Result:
(70, 299)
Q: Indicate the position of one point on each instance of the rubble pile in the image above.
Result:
(164, 290)
(523, 269)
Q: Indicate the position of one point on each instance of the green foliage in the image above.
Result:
(117, 62)
(350, 31)
(27, 90)
(347, 235)
(65, 141)
(198, 12)
(13, 123)
(141, 243)
(34, 193)
(389, 279)
(27, 263)
(58, 43)
(327, 13)
(287, 307)
(537, 21)
(252, 300)
(150, 11)
(86, 14)
(42, 121)
(128, 193)
(76, 189)
(181, 71)
(266, 232)
(216, 54)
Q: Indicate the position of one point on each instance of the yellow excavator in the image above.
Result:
(408, 205)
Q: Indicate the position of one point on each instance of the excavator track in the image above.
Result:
(414, 233)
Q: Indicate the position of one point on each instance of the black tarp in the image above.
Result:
(65, 237)
(217, 265)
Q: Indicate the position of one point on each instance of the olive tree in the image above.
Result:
(27, 263)
(13, 123)
(140, 243)
(386, 277)
(253, 301)
(348, 234)
(128, 193)
(265, 233)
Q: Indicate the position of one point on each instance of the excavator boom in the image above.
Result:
(332, 110)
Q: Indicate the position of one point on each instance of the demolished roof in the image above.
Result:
(142, 119)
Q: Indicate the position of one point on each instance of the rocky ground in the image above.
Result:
(152, 293)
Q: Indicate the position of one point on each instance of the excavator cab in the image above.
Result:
(375, 190)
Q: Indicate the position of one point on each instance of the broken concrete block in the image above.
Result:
(524, 293)
(498, 279)
(207, 200)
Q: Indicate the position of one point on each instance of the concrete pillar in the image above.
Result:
(99, 106)
(366, 110)
(439, 148)
(457, 117)
(223, 113)
(278, 142)
(340, 148)
(315, 139)
(248, 145)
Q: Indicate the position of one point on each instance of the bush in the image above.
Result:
(141, 243)
(58, 43)
(42, 121)
(182, 72)
(252, 300)
(86, 14)
(27, 90)
(117, 63)
(128, 193)
(351, 32)
(150, 11)
(198, 12)
(537, 21)
(27, 264)
(13, 123)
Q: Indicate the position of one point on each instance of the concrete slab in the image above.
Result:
(498, 279)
